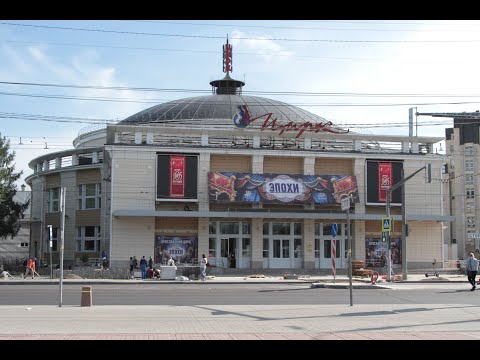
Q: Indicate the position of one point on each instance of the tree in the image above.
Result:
(10, 211)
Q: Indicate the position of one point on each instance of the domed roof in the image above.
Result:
(218, 111)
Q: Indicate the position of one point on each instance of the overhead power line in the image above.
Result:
(153, 101)
(260, 92)
(237, 25)
(239, 37)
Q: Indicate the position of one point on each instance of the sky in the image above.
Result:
(59, 77)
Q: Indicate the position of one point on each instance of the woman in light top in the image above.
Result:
(203, 268)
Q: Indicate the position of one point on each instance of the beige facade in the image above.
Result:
(113, 201)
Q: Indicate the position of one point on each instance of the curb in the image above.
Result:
(347, 286)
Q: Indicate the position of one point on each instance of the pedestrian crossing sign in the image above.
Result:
(387, 224)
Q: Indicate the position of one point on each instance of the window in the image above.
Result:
(265, 228)
(468, 165)
(89, 196)
(286, 248)
(212, 247)
(317, 229)
(344, 227)
(317, 248)
(470, 192)
(246, 228)
(212, 227)
(281, 228)
(88, 238)
(54, 199)
(281, 249)
(265, 247)
(297, 229)
(276, 249)
(246, 247)
(24, 244)
(327, 249)
(327, 229)
(229, 228)
(469, 206)
(469, 150)
(469, 180)
(470, 221)
(297, 248)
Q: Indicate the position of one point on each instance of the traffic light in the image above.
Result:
(384, 236)
(428, 170)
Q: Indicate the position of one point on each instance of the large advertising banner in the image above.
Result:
(376, 252)
(280, 188)
(381, 174)
(183, 249)
(384, 180)
(177, 176)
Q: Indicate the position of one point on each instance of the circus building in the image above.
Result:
(255, 183)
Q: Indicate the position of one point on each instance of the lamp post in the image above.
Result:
(62, 244)
(389, 190)
(389, 258)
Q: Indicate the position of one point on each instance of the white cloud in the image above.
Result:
(269, 50)
(38, 64)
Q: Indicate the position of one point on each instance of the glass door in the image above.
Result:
(280, 253)
(228, 251)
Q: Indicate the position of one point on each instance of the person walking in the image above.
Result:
(30, 267)
(143, 267)
(471, 265)
(203, 268)
(131, 263)
(150, 263)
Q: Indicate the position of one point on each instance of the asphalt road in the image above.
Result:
(237, 294)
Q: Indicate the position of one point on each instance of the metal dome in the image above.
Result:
(218, 111)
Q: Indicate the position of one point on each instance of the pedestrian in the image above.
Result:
(143, 267)
(104, 260)
(471, 265)
(131, 267)
(150, 263)
(203, 268)
(156, 273)
(30, 267)
(5, 274)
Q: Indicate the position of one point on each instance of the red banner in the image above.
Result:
(384, 180)
(177, 176)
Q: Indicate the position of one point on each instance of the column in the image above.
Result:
(309, 244)
(257, 243)
(203, 169)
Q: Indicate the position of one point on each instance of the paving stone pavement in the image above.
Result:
(246, 322)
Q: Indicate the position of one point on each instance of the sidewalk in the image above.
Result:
(247, 322)
(339, 280)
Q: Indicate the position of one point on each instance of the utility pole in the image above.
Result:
(62, 242)
(389, 190)
(345, 203)
(389, 258)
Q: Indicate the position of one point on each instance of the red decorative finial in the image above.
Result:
(227, 57)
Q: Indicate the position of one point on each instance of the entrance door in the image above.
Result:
(228, 252)
(280, 257)
(326, 253)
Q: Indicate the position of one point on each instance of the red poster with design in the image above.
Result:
(384, 180)
(177, 176)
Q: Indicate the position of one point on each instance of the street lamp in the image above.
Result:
(389, 191)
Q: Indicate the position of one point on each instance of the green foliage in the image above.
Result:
(10, 211)
(84, 258)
